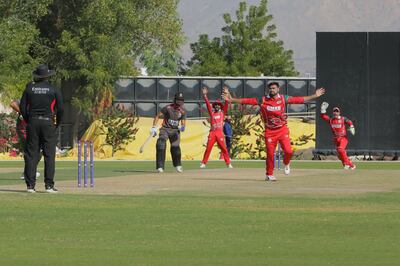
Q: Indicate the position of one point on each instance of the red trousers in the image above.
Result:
(216, 136)
(272, 137)
(341, 143)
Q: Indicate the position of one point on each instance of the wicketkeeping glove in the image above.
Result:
(324, 106)
(352, 130)
(153, 131)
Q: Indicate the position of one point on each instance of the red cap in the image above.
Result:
(217, 102)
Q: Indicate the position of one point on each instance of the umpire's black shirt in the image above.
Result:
(41, 99)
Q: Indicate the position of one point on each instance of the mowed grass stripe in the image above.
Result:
(183, 230)
(67, 170)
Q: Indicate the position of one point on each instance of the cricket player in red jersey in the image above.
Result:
(338, 126)
(217, 114)
(272, 109)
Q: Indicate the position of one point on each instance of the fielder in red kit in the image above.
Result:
(217, 114)
(338, 126)
(272, 109)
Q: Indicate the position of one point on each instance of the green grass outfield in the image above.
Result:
(197, 229)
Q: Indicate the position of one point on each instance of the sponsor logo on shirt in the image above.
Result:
(336, 125)
(173, 122)
(39, 90)
(273, 108)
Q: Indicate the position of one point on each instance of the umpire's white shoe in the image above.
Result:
(270, 178)
(179, 169)
(287, 169)
(160, 170)
(31, 190)
(229, 166)
(202, 165)
(51, 190)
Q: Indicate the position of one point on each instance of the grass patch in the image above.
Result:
(198, 230)
(193, 229)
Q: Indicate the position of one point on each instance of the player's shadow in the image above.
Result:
(20, 191)
(134, 171)
(13, 190)
(229, 179)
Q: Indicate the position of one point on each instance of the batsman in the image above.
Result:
(174, 122)
(217, 112)
(338, 126)
(272, 110)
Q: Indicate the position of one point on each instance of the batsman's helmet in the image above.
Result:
(179, 100)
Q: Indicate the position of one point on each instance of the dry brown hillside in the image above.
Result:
(297, 21)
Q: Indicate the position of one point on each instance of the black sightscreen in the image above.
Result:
(360, 72)
(384, 91)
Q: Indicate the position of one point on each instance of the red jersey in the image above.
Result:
(338, 125)
(273, 109)
(216, 117)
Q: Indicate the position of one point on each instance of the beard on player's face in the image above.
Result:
(273, 91)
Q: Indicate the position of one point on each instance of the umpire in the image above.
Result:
(42, 107)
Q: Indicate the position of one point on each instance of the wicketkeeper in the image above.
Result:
(272, 110)
(217, 114)
(338, 126)
(174, 122)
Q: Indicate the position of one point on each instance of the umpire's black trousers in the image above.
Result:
(41, 133)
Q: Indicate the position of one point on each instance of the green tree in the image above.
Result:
(119, 127)
(18, 37)
(247, 47)
(161, 63)
(89, 42)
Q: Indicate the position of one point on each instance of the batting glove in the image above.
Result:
(352, 130)
(182, 129)
(153, 131)
(324, 106)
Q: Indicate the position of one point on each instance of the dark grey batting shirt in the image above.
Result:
(172, 115)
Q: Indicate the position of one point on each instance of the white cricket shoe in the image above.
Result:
(31, 190)
(179, 169)
(202, 165)
(229, 166)
(270, 178)
(353, 167)
(346, 167)
(287, 169)
(51, 190)
(160, 170)
(37, 174)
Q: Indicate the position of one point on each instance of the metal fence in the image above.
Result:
(147, 95)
